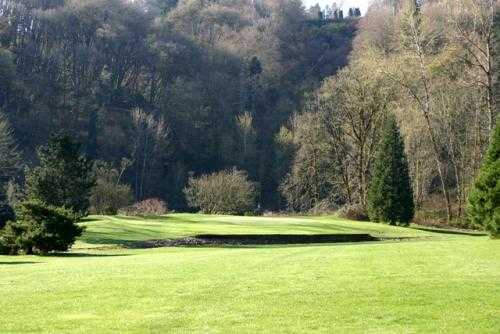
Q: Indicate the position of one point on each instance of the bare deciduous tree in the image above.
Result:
(150, 135)
(472, 26)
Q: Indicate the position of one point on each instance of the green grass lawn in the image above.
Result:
(119, 230)
(435, 282)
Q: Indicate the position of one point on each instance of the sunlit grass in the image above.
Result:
(117, 230)
(435, 283)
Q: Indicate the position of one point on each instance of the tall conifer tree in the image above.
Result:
(390, 197)
(484, 199)
(10, 163)
(64, 177)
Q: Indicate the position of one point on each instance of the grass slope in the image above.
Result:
(443, 283)
(120, 230)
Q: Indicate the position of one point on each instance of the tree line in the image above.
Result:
(173, 87)
(201, 103)
(431, 64)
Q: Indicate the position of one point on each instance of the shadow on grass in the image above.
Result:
(326, 244)
(456, 232)
(243, 240)
(17, 263)
(89, 220)
(258, 239)
(164, 218)
(84, 255)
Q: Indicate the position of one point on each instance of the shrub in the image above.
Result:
(224, 192)
(40, 229)
(4, 250)
(64, 177)
(108, 195)
(434, 215)
(13, 239)
(325, 207)
(353, 212)
(148, 207)
(484, 199)
(390, 197)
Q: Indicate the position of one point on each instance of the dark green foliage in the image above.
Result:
(10, 239)
(7, 75)
(255, 68)
(40, 229)
(10, 159)
(6, 213)
(390, 196)
(484, 198)
(64, 177)
(496, 64)
(10, 162)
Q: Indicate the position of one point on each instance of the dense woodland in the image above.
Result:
(430, 63)
(172, 89)
(160, 92)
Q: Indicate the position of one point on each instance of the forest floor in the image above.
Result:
(409, 280)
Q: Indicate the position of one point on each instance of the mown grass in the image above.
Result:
(437, 283)
(120, 230)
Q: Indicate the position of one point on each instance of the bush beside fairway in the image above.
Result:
(437, 282)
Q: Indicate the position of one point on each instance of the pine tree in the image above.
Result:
(6, 211)
(10, 163)
(484, 198)
(10, 159)
(64, 177)
(390, 197)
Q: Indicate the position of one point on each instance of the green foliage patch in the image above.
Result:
(64, 177)
(484, 199)
(390, 197)
(40, 229)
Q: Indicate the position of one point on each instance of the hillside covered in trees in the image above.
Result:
(162, 93)
(249, 166)
(161, 89)
(433, 65)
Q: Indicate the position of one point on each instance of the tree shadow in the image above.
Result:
(455, 232)
(84, 255)
(325, 244)
(239, 240)
(89, 220)
(266, 241)
(17, 263)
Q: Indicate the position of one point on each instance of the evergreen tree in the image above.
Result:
(10, 159)
(64, 177)
(484, 198)
(10, 162)
(6, 211)
(390, 197)
(39, 228)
